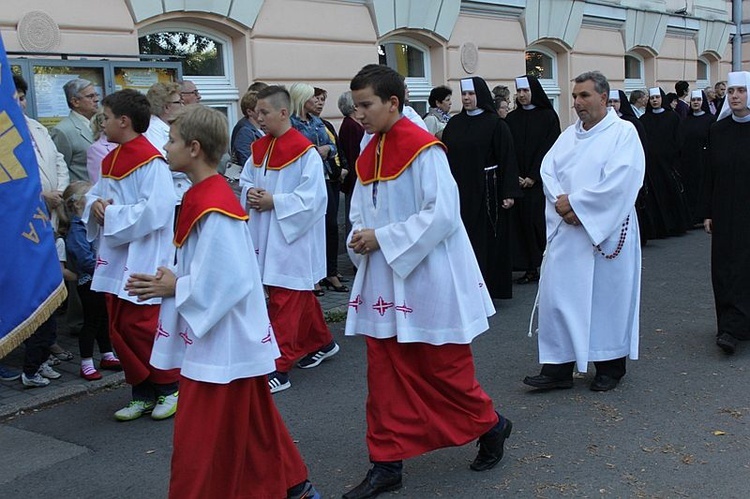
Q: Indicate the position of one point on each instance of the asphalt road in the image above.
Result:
(675, 427)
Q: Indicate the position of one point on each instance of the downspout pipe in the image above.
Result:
(737, 40)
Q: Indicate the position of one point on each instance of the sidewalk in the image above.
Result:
(14, 397)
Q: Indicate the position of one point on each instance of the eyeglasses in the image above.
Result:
(193, 92)
(89, 96)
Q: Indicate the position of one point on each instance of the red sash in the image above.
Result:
(128, 157)
(281, 151)
(211, 194)
(399, 147)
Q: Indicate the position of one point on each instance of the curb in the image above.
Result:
(58, 395)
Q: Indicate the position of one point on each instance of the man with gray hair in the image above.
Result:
(638, 100)
(73, 136)
(589, 293)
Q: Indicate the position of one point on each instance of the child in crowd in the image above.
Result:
(82, 260)
(131, 210)
(229, 438)
(283, 184)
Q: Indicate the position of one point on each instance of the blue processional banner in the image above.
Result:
(31, 285)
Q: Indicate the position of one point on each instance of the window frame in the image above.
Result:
(550, 85)
(419, 87)
(634, 83)
(216, 91)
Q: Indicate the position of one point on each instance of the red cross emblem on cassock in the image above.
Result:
(267, 337)
(382, 306)
(160, 331)
(99, 262)
(186, 338)
(355, 303)
(403, 308)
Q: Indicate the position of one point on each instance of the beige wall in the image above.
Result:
(325, 42)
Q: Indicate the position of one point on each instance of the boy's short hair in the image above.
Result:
(384, 81)
(277, 95)
(207, 126)
(130, 103)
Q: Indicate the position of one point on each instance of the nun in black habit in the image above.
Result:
(535, 127)
(620, 103)
(665, 200)
(693, 137)
(480, 153)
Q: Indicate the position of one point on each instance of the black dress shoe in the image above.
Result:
(376, 482)
(544, 382)
(491, 447)
(727, 342)
(603, 383)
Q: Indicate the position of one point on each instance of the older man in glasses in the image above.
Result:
(189, 92)
(72, 136)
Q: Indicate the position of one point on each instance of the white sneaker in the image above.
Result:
(35, 381)
(166, 407)
(49, 373)
(134, 410)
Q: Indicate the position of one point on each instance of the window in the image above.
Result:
(634, 73)
(633, 68)
(201, 55)
(702, 78)
(543, 65)
(412, 62)
(205, 57)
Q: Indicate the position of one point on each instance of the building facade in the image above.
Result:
(224, 45)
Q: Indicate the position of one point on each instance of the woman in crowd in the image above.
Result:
(246, 130)
(351, 132)
(665, 200)
(481, 158)
(439, 114)
(693, 139)
(303, 119)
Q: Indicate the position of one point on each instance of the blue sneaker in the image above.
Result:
(7, 374)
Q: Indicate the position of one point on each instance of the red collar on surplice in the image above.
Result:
(281, 151)
(128, 157)
(211, 194)
(399, 146)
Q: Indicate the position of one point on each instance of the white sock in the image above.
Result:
(108, 356)
(87, 365)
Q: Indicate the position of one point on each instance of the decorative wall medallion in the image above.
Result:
(469, 57)
(38, 32)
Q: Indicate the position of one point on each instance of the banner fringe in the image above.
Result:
(25, 329)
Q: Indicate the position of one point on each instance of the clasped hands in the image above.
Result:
(146, 286)
(259, 199)
(364, 241)
(563, 208)
(97, 209)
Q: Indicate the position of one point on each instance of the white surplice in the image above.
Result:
(588, 304)
(290, 238)
(216, 327)
(137, 232)
(158, 135)
(423, 284)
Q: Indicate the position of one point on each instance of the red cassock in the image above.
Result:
(230, 442)
(422, 397)
(132, 329)
(298, 324)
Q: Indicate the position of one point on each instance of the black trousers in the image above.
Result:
(332, 228)
(95, 322)
(614, 368)
(37, 346)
